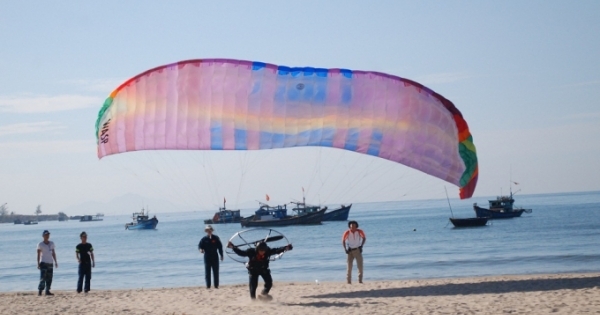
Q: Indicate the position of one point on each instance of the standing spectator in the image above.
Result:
(210, 245)
(352, 241)
(84, 252)
(46, 258)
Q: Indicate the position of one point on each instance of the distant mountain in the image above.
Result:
(126, 204)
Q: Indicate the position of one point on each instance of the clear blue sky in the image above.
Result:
(525, 75)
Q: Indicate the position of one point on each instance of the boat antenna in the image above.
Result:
(447, 198)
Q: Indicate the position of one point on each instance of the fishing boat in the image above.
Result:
(90, 218)
(338, 214)
(225, 216)
(142, 221)
(500, 208)
(277, 216)
(468, 222)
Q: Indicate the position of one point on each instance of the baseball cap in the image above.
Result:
(45, 232)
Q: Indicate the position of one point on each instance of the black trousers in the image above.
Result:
(211, 264)
(253, 281)
(85, 271)
(46, 272)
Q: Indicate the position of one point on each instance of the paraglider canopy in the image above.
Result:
(222, 104)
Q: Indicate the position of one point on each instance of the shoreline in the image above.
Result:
(570, 293)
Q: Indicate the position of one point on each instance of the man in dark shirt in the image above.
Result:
(258, 265)
(84, 252)
(211, 247)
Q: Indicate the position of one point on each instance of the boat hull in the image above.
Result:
(225, 216)
(491, 214)
(340, 214)
(468, 222)
(307, 219)
(222, 221)
(143, 225)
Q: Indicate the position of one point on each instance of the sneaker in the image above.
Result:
(49, 293)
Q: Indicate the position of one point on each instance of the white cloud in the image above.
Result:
(46, 104)
(448, 77)
(580, 116)
(34, 148)
(105, 86)
(580, 84)
(34, 127)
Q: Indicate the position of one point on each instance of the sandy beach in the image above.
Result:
(523, 294)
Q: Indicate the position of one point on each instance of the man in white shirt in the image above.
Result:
(46, 258)
(353, 240)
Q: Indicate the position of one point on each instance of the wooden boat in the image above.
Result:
(277, 216)
(225, 216)
(500, 208)
(468, 222)
(339, 214)
(141, 221)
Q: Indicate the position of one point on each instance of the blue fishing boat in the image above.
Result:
(500, 208)
(225, 216)
(277, 216)
(338, 214)
(141, 221)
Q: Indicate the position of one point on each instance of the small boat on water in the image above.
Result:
(339, 214)
(277, 216)
(142, 221)
(225, 216)
(468, 222)
(30, 222)
(90, 218)
(500, 208)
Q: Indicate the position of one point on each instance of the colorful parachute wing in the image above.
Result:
(222, 104)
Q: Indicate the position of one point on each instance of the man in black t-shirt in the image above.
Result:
(85, 256)
(211, 247)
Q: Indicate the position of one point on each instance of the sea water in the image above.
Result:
(405, 240)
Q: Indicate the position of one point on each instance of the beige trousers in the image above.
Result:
(354, 254)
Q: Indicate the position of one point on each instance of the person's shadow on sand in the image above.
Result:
(493, 287)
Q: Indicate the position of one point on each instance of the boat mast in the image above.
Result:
(447, 198)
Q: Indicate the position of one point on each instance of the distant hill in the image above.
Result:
(126, 204)
(129, 203)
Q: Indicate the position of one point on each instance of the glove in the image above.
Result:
(347, 251)
(360, 249)
(290, 247)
